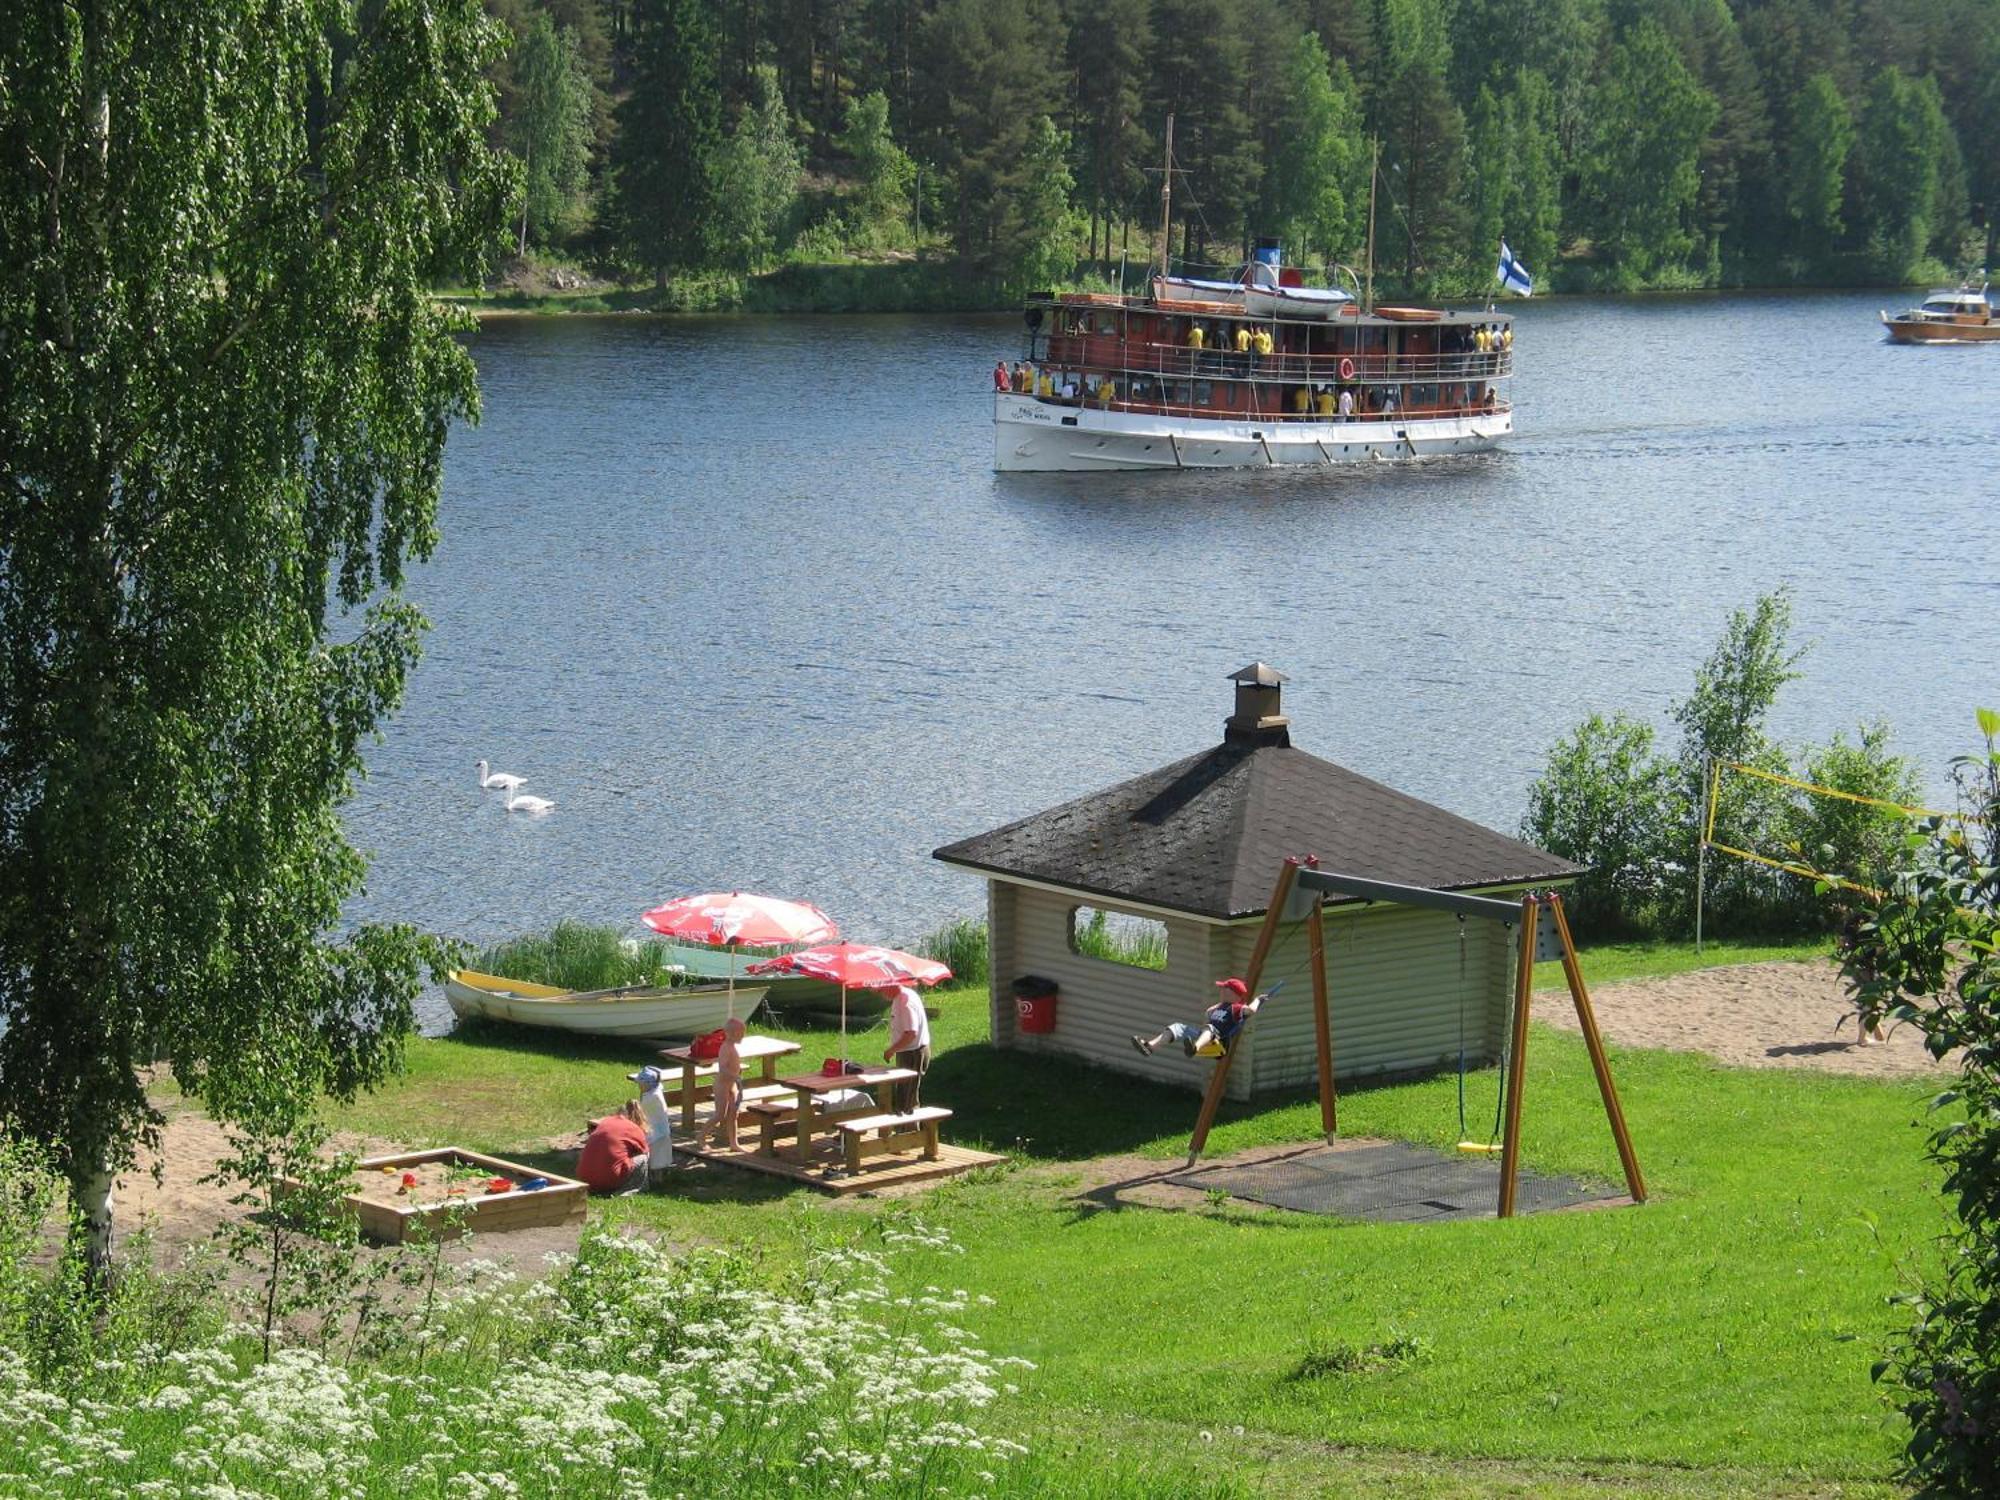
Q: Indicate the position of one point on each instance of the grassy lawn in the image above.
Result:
(1713, 1341)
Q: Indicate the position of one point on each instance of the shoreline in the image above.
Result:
(630, 302)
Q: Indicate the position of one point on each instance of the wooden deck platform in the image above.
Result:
(829, 1174)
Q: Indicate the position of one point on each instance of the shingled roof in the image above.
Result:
(1206, 835)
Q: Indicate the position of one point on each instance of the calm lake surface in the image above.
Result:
(746, 599)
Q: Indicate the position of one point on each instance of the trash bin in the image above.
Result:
(1035, 1003)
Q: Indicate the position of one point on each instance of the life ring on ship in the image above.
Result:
(1346, 368)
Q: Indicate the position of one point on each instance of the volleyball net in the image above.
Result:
(1720, 769)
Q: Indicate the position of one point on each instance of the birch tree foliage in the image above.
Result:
(224, 394)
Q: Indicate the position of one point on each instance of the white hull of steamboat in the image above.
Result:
(1032, 436)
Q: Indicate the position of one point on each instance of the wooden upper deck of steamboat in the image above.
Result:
(1165, 354)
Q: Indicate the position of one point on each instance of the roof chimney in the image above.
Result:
(1257, 720)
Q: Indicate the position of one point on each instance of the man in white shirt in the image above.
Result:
(909, 1044)
(658, 1118)
(1347, 403)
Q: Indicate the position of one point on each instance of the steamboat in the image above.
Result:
(1262, 370)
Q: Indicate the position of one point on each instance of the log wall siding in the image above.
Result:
(1104, 1004)
(1395, 984)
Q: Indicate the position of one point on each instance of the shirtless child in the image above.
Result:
(728, 1085)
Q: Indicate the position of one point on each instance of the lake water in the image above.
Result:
(746, 599)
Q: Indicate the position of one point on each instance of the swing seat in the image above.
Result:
(1210, 1049)
(1484, 1148)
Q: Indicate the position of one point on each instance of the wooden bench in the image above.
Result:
(873, 1135)
(779, 1116)
(705, 1092)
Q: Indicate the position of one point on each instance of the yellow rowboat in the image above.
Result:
(644, 1013)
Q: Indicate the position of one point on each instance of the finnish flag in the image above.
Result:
(1512, 274)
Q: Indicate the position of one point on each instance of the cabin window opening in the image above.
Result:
(1204, 393)
(1118, 937)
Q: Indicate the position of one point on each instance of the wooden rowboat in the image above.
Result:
(644, 1013)
(785, 993)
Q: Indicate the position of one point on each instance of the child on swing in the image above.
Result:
(1219, 1024)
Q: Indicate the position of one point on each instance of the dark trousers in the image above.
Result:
(903, 1096)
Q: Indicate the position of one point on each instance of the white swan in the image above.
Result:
(500, 780)
(517, 803)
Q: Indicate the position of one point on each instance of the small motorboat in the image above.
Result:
(640, 1012)
(1964, 316)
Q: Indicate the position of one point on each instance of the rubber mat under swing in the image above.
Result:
(1388, 1182)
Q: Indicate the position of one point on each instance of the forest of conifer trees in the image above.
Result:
(1617, 144)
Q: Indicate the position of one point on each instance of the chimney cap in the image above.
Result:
(1257, 674)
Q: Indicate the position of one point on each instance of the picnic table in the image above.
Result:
(812, 1087)
(764, 1050)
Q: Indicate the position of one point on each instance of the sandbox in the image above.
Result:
(449, 1192)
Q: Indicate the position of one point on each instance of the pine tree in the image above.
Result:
(1200, 73)
(669, 130)
(984, 82)
(1107, 44)
(1423, 141)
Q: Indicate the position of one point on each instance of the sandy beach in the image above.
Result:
(1774, 1015)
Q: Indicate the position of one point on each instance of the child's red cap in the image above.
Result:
(1235, 986)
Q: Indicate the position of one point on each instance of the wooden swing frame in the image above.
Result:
(1302, 879)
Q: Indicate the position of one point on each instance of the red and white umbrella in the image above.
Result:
(737, 919)
(856, 966)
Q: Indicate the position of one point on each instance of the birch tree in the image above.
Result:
(224, 394)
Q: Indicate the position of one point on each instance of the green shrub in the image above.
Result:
(580, 956)
(1607, 801)
(1610, 801)
(1928, 954)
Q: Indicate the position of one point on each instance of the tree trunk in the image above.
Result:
(90, 1200)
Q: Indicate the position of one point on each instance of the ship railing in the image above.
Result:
(1500, 406)
(1167, 361)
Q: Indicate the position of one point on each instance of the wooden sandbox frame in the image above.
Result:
(563, 1201)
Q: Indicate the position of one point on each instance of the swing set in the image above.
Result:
(1301, 893)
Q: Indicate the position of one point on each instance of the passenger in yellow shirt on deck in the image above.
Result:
(1301, 401)
(1197, 336)
(1265, 344)
(1325, 402)
(1107, 392)
(1045, 387)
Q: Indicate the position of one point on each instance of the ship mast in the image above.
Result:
(1167, 201)
(1374, 163)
